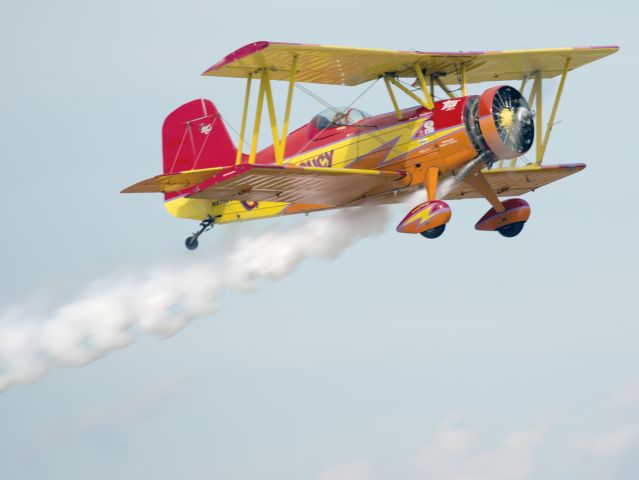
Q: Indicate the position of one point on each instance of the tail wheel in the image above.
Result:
(511, 230)
(191, 243)
(207, 224)
(434, 232)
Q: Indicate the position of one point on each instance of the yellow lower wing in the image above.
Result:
(511, 182)
(293, 184)
(272, 183)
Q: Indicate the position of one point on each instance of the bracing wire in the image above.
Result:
(328, 105)
(230, 125)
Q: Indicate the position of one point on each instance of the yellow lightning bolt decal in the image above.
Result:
(422, 215)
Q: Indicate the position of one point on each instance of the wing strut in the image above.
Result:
(265, 92)
(287, 110)
(426, 102)
(247, 97)
(464, 79)
(551, 120)
(536, 95)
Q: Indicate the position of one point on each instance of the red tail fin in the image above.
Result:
(194, 136)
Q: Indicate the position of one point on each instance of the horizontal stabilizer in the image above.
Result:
(172, 182)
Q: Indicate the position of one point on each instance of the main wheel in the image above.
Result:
(511, 230)
(191, 243)
(433, 232)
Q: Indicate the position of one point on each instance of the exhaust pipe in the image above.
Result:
(483, 158)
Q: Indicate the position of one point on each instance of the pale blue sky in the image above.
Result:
(384, 363)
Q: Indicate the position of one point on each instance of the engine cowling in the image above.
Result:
(506, 121)
(500, 122)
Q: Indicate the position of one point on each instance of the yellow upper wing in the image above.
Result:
(353, 66)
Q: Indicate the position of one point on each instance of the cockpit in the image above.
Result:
(338, 117)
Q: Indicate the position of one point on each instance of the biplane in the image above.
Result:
(343, 157)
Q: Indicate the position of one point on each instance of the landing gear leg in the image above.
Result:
(477, 181)
(206, 225)
(430, 182)
(508, 217)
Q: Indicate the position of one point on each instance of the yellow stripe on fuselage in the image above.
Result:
(347, 150)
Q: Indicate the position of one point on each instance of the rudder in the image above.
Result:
(194, 137)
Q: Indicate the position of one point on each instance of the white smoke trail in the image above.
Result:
(111, 314)
(446, 186)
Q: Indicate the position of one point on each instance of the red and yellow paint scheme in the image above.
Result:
(471, 144)
(426, 217)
